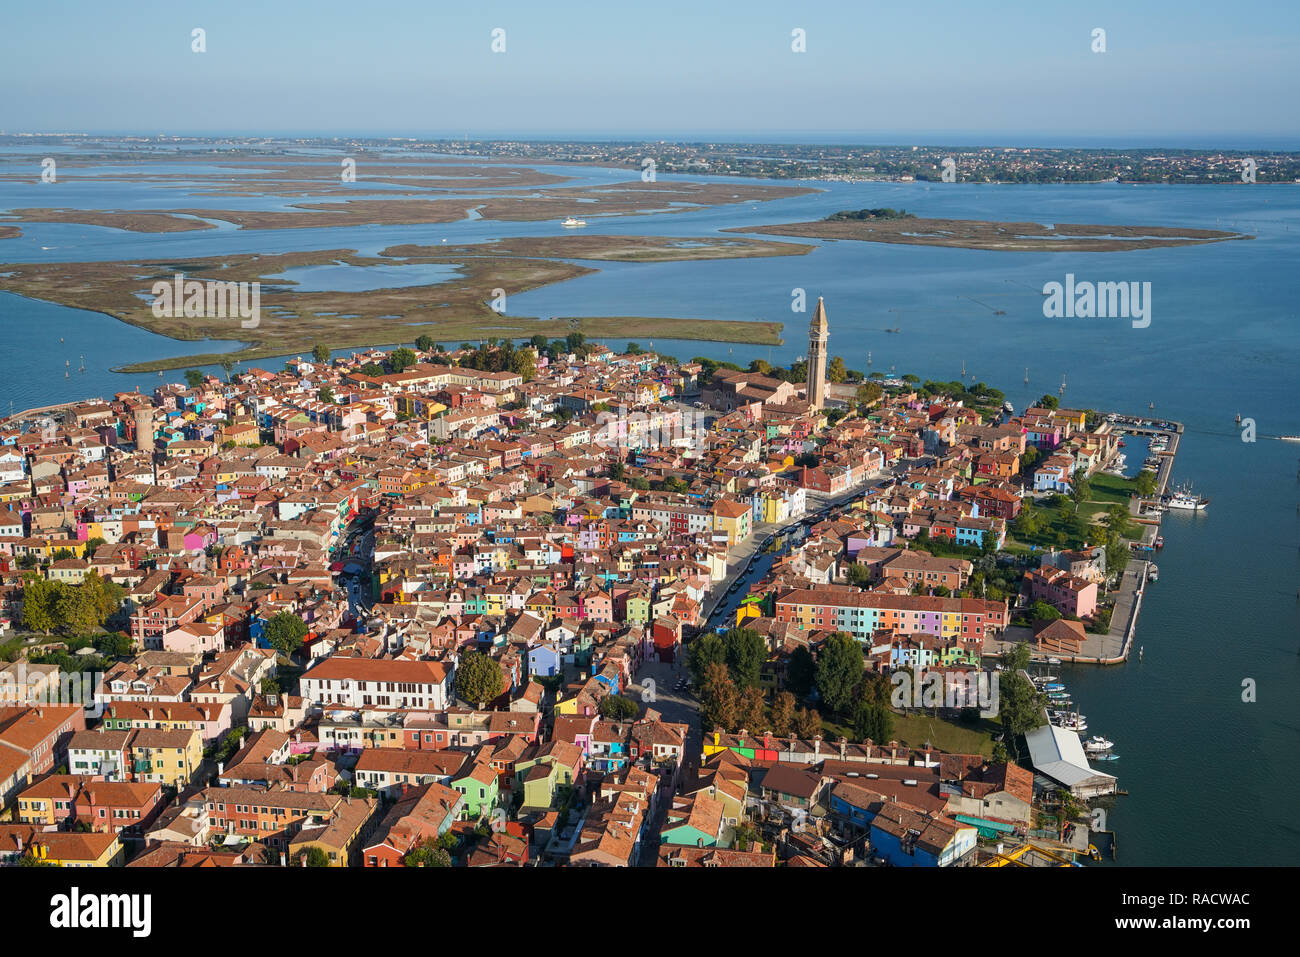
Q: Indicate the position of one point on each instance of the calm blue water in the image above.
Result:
(1224, 339)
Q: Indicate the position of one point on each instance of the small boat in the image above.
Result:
(1160, 541)
(572, 223)
(1054, 687)
(1098, 744)
(1008, 408)
(1289, 438)
(1105, 757)
(1053, 661)
(1153, 573)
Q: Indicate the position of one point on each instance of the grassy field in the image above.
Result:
(981, 234)
(622, 199)
(914, 729)
(293, 321)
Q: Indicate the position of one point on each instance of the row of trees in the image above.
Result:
(727, 671)
(69, 609)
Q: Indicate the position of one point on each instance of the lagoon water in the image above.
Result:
(1224, 339)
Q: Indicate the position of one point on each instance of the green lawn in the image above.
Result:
(914, 729)
(1111, 489)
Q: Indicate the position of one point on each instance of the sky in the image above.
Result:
(1176, 72)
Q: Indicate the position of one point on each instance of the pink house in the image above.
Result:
(1069, 594)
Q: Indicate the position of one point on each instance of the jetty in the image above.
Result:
(1115, 647)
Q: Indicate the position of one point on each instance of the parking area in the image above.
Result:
(669, 696)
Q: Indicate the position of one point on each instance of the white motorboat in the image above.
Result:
(1097, 744)
(572, 223)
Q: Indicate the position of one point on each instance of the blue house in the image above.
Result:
(543, 661)
(909, 838)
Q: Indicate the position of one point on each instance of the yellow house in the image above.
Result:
(165, 757)
(340, 839)
(60, 848)
(419, 406)
(733, 519)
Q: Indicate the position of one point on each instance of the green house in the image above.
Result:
(479, 785)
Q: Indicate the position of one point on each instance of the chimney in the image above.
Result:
(844, 747)
(817, 746)
(284, 860)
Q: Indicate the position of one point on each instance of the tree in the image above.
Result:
(617, 471)
(321, 353)
(523, 362)
(105, 597)
(478, 679)
(75, 611)
(39, 600)
(1080, 488)
(799, 673)
(1017, 657)
(751, 710)
(618, 707)
(872, 721)
(430, 853)
(1042, 611)
(194, 377)
(424, 343)
(401, 359)
(782, 717)
(859, 575)
(1020, 707)
(705, 650)
(746, 651)
(839, 671)
(835, 371)
(227, 366)
(1145, 484)
(285, 632)
(633, 349)
(807, 723)
(538, 343)
(760, 367)
(316, 857)
(719, 699)
(325, 394)
(372, 369)
(1048, 401)
(868, 394)
(114, 644)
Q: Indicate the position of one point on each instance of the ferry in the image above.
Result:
(1289, 438)
(1184, 498)
(573, 223)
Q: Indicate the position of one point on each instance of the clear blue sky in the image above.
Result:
(1173, 68)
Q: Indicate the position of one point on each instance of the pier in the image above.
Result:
(1115, 647)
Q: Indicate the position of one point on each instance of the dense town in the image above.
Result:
(549, 605)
